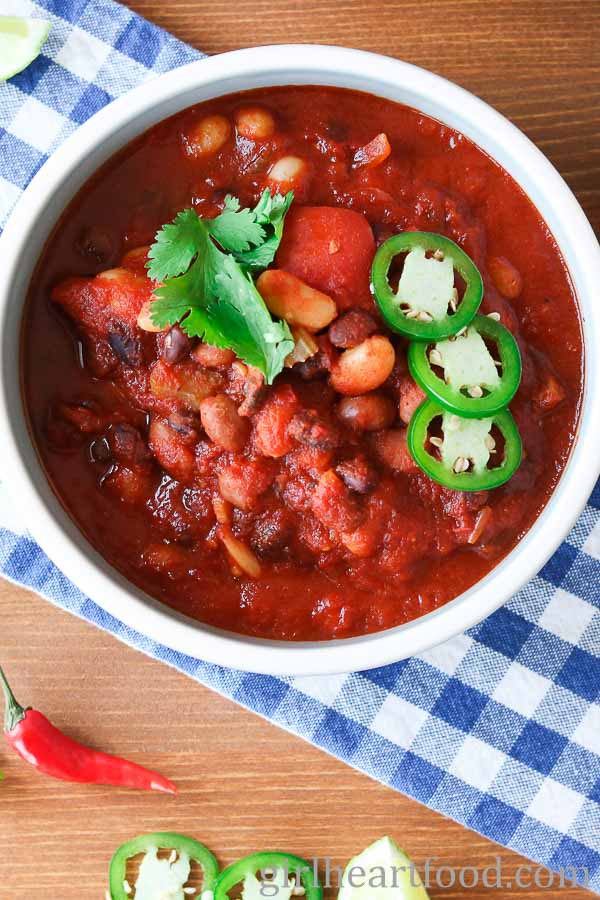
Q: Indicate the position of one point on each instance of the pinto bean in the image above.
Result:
(170, 451)
(127, 445)
(291, 299)
(212, 357)
(505, 276)
(411, 397)
(185, 382)
(307, 427)
(367, 412)
(133, 486)
(207, 136)
(358, 474)
(392, 449)
(271, 423)
(334, 505)
(186, 426)
(310, 459)
(254, 123)
(364, 367)
(352, 328)
(176, 345)
(222, 422)
(242, 483)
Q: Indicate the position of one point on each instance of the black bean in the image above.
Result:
(125, 345)
(127, 445)
(96, 242)
(271, 533)
(176, 345)
(315, 367)
(308, 428)
(100, 450)
(358, 474)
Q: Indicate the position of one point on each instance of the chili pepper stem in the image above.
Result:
(13, 711)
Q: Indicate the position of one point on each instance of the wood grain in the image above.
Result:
(245, 784)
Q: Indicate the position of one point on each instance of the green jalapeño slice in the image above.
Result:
(463, 375)
(426, 306)
(464, 458)
(269, 874)
(162, 876)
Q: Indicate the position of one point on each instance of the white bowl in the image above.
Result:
(111, 128)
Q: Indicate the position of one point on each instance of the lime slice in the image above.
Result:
(20, 42)
(382, 872)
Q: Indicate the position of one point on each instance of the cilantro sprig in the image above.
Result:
(205, 268)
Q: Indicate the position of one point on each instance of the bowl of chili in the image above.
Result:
(432, 106)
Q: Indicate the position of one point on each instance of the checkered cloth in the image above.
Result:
(498, 728)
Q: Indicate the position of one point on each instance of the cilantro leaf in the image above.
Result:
(237, 230)
(175, 246)
(209, 293)
(268, 343)
(181, 240)
(270, 211)
(252, 235)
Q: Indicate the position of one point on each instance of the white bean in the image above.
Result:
(144, 319)
(287, 171)
(207, 136)
(255, 123)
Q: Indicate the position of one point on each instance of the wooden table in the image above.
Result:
(245, 784)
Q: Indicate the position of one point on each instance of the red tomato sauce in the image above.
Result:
(171, 455)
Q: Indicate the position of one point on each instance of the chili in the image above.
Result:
(400, 313)
(348, 537)
(163, 840)
(47, 749)
(281, 865)
(485, 393)
(464, 469)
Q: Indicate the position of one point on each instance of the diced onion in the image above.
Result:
(241, 554)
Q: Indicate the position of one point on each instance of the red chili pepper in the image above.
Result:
(39, 743)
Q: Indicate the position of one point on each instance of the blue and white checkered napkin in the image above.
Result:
(498, 728)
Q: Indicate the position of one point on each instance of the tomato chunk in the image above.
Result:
(331, 250)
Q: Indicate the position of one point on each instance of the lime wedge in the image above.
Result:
(20, 42)
(382, 872)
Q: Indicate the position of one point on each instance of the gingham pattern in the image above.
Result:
(498, 728)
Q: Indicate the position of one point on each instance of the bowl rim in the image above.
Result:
(95, 141)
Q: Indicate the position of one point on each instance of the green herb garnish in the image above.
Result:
(204, 266)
